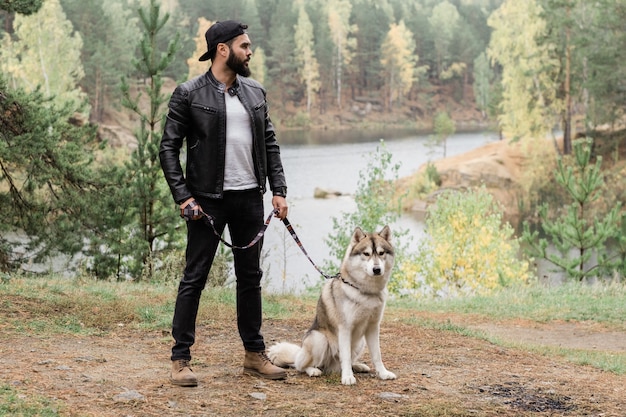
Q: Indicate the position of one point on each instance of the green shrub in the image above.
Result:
(377, 206)
(467, 250)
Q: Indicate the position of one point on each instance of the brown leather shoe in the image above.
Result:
(258, 364)
(182, 375)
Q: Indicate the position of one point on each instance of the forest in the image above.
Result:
(68, 66)
(530, 65)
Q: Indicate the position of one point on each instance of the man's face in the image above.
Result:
(239, 55)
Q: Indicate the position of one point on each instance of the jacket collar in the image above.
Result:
(220, 86)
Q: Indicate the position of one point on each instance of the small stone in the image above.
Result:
(259, 396)
(391, 396)
(128, 396)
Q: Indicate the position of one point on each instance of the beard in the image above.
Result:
(238, 65)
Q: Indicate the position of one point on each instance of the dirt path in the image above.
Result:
(586, 336)
(439, 373)
(565, 334)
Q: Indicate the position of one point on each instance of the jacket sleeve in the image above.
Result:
(174, 133)
(275, 172)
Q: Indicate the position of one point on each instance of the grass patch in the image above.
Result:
(79, 306)
(57, 305)
(569, 302)
(14, 404)
(602, 304)
(438, 408)
(607, 361)
(286, 306)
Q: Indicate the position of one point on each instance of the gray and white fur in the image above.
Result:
(348, 315)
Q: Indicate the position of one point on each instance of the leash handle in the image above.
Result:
(208, 220)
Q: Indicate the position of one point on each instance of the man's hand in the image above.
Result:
(190, 210)
(280, 203)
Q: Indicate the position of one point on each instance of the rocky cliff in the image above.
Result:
(509, 170)
(499, 166)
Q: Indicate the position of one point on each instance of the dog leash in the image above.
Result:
(293, 234)
(208, 219)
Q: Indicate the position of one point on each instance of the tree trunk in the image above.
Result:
(339, 75)
(567, 120)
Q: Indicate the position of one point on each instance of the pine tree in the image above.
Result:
(443, 128)
(324, 51)
(560, 16)
(599, 54)
(48, 182)
(24, 7)
(281, 59)
(376, 16)
(444, 22)
(106, 28)
(579, 233)
(483, 77)
(148, 198)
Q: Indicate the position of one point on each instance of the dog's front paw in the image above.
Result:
(386, 375)
(312, 371)
(348, 379)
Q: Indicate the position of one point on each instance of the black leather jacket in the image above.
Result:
(197, 113)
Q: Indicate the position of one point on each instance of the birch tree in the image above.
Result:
(45, 54)
(308, 67)
(398, 60)
(258, 67)
(339, 23)
(529, 105)
(199, 67)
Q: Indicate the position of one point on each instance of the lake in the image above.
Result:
(334, 160)
(329, 160)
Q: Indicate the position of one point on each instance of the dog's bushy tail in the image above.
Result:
(283, 354)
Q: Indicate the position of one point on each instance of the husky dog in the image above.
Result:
(349, 312)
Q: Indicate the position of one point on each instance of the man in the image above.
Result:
(231, 153)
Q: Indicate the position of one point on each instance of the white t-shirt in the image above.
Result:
(239, 168)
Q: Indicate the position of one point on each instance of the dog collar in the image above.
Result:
(346, 282)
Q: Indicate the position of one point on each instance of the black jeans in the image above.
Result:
(243, 212)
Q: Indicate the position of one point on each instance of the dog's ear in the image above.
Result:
(358, 235)
(386, 233)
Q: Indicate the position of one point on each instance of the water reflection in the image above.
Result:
(327, 137)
